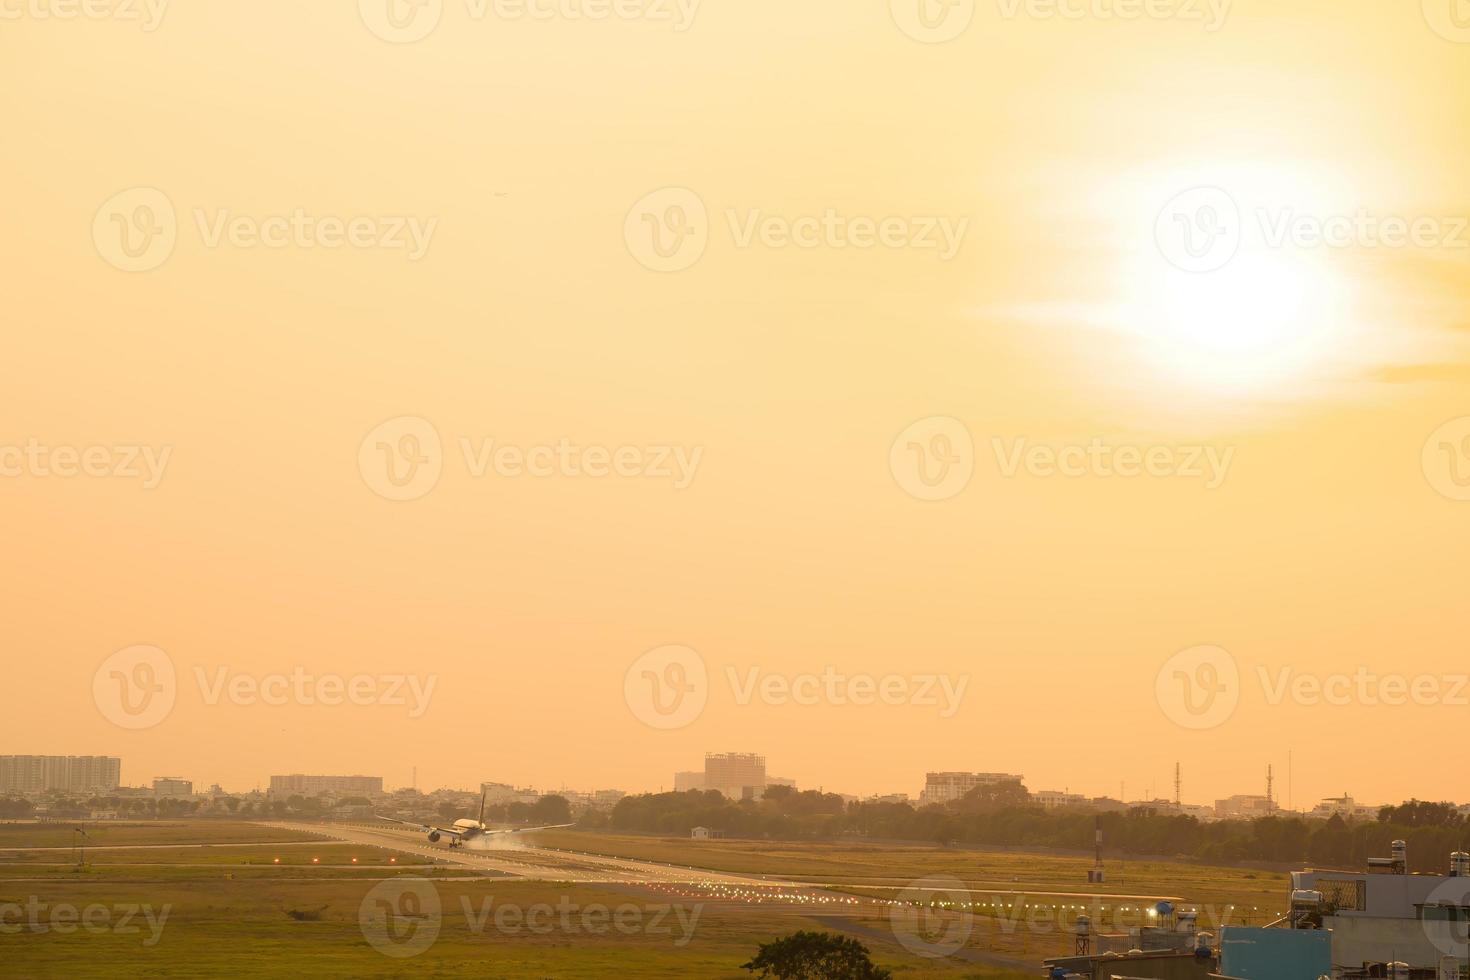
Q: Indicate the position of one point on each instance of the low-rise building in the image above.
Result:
(172, 787)
(1245, 807)
(1052, 799)
(1343, 806)
(1384, 914)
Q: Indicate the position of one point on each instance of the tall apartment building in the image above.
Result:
(69, 773)
(946, 787)
(299, 785)
(739, 775)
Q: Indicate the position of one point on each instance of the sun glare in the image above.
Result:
(1267, 319)
(1261, 314)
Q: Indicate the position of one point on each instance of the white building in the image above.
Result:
(946, 787)
(1345, 807)
(1385, 914)
(1052, 799)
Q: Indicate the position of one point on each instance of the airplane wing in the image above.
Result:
(527, 830)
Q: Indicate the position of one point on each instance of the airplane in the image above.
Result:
(468, 830)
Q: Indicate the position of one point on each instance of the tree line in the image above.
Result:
(1004, 816)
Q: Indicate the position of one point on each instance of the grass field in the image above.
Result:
(149, 905)
(225, 910)
(108, 833)
(1256, 893)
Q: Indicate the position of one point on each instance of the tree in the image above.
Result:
(551, 809)
(996, 796)
(815, 956)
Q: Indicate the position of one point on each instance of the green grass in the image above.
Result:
(262, 929)
(234, 912)
(113, 833)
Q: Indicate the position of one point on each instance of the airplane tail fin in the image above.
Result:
(482, 807)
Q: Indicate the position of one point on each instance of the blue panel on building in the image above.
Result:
(1275, 954)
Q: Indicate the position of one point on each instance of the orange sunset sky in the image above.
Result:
(663, 230)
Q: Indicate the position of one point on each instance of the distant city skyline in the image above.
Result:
(1146, 793)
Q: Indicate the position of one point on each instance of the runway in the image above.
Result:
(509, 857)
